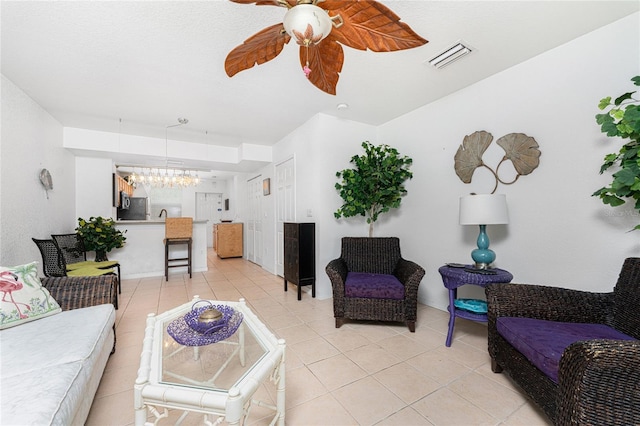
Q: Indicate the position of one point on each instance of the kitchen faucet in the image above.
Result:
(165, 213)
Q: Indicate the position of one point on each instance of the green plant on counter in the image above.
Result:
(622, 119)
(99, 234)
(376, 185)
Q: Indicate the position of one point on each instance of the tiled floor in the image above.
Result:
(359, 374)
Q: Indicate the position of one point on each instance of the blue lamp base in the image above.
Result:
(483, 256)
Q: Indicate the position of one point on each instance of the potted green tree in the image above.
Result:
(375, 185)
(622, 119)
(100, 235)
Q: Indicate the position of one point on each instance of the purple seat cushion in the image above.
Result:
(373, 286)
(543, 342)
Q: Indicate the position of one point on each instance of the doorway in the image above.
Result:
(285, 206)
(209, 208)
(254, 221)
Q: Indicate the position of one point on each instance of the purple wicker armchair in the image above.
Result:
(578, 354)
(371, 281)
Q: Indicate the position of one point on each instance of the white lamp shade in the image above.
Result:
(298, 17)
(483, 209)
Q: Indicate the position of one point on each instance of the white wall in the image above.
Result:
(321, 147)
(94, 188)
(31, 140)
(558, 234)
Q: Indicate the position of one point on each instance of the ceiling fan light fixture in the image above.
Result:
(450, 55)
(307, 24)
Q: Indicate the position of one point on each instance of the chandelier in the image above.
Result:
(165, 176)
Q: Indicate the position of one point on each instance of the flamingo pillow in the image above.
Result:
(22, 297)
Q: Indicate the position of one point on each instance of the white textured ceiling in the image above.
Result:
(91, 63)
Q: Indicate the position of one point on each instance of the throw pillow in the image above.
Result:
(22, 297)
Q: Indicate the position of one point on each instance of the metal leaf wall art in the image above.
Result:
(520, 149)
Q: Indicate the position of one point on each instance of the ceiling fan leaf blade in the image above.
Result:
(371, 25)
(257, 49)
(325, 60)
(265, 2)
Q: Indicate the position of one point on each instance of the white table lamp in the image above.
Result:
(483, 210)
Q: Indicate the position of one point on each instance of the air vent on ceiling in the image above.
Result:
(450, 55)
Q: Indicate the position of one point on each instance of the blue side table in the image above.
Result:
(454, 277)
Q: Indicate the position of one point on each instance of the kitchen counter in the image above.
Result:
(150, 222)
(143, 252)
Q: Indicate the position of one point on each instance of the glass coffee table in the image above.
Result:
(216, 378)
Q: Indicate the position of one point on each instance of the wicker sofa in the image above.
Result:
(380, 266)
(596, 381)
(51, 367)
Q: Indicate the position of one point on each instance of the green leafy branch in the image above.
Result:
(100, 234)
(375, 185)
(621, 119)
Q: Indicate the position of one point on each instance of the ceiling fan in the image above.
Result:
(321, 27)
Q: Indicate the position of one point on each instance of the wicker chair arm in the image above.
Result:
(409, 274)
(548, 303)
(599, 383)
(80, 292)
(337, 272)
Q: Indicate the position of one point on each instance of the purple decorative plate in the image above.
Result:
(191, 317)
(187, 336)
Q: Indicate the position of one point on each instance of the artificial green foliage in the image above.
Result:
(622, 119)
(375, 185)
(100, 234)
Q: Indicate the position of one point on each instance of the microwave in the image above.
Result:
(125, 201)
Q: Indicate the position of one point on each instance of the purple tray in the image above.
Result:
(187, 336)
(191, 318)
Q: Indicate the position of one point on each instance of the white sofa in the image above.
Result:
(50, 368)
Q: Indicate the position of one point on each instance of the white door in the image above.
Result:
(209, 208)
(285, 206)
(254, 222)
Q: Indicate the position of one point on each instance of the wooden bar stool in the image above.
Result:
(177, 230)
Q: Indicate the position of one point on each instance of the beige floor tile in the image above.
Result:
(118, 380)
(296, 333)
(276, 322)
(372, 330)
(444, 407)
(292, 360)
(364, 373)
(528, 415)
(315, 315)
(406, 382)
(321, 411)
(402, 346)
(112, 410)
(346, 339)
(372, 358)
(492, 397)
(368, 401)
(428, 337)
(438, 366)
(464, 354)
(405, 417)
(336, 371)
(500, 378)
(314, 350)
(323, 326)
(302, 386)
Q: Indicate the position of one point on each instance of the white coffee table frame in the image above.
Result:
(232, 406)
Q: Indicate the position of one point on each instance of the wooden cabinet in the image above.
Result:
(120, 185)
(227, 240)
(300, 256)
